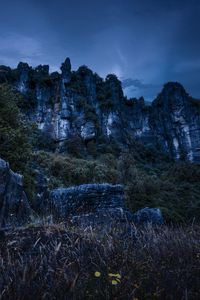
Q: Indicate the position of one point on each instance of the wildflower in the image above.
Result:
(115, 275)
(114, 282)
(97, 274)
(115, 278)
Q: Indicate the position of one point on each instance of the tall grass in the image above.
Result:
(63, 262)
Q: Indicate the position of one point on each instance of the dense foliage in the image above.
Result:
(14, 145)
(15, 136)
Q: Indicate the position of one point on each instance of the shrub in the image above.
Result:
(177, 196)
(15, 134)
(75, 147)
(14, 144)
(41, 140)
(71, 171)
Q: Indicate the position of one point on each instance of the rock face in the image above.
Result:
(98, 204)
(148, 216)
(80, 104)
(104, 218)
(14, 206)
(84, 205)
(175, 120)
(87, 198)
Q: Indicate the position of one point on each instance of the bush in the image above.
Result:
(41, 140)
(75, 147)
(175, 194)
(15, 134)
(71, 171)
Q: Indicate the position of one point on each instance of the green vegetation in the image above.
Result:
(108, 91)
(64, 170)
(8, 75)
(173, 187)
(89, 111)
(77, 83)
(15, 133)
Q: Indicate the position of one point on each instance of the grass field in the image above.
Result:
(63, 262)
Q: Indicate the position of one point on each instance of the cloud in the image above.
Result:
(135, 83)
(155, 40)
(136, 88)
(16, 47)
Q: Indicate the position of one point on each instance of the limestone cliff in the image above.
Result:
(81, 104)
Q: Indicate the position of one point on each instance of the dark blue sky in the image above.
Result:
(146, 42)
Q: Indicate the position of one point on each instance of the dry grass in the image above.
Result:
(61, 262)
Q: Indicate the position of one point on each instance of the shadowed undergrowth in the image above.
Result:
(62, 262)
(173, 187)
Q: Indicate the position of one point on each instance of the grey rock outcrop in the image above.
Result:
(103, 217)
(84, 205)
(40, 204)
(98, 205)
(85, 199)
(175, 121)
(14, 206)
(148, 216)
(24, 75)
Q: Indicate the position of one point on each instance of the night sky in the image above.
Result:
(145, 43)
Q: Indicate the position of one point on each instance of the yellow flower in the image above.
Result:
(115, 275)
(114, 282)
(97, 274)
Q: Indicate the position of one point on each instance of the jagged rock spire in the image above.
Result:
(66, 67)
(23, 66)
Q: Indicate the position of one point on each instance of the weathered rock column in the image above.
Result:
(14, 207)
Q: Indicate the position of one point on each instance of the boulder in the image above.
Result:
(148, 216)
(40, 205)
(14, 206)
(84, 205)
(103, 217)
(98, 205)
(86, 198)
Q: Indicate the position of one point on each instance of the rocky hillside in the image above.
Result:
(74, 128)
(80, 106)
